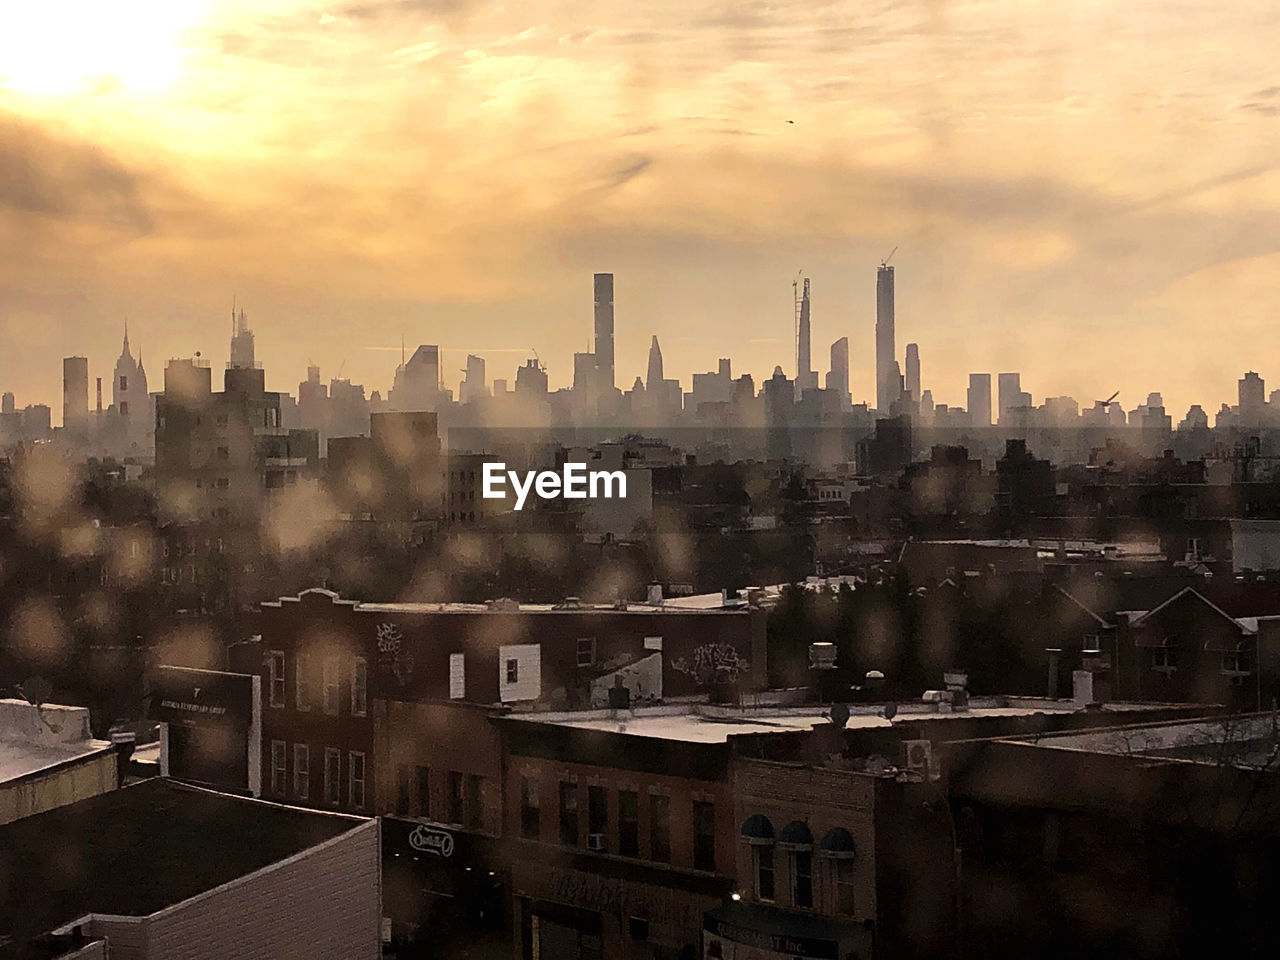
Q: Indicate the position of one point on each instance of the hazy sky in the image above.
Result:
(1085, 191)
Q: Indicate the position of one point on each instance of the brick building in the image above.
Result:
(325, 660)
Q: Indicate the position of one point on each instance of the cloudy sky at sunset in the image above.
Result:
(1085, 191)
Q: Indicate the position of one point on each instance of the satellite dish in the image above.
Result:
(839, 715)
(890, 711)
(36, 690)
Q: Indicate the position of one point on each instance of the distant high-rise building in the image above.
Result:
(242, 353)
(473, 387)
(913, 371)
(129, 394)
(806, 377)
(531, 379)
(1253, 403)
(838, 378)
(604, 331)
(653, 379)
(1008, 390)
(887, 383)
(75, 394)
(416, 387)
(7, 403)
(979, 401)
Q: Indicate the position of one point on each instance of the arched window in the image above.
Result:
(797, 840)
(838, 852)
(757, 831)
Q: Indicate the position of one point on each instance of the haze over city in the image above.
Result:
(1078, 192)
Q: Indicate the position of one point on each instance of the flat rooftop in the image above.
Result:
(1252, 740)
(34, 740)
(137, 850)
(706, 723)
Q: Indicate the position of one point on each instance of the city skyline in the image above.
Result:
(492, 365)
(195, 153)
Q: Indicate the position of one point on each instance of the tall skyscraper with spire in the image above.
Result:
(653, 381)
(888, 386)
(806, 378)
(241, 341)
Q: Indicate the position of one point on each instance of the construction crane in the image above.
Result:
(1106, 404)
(885, 261)
(541, 365)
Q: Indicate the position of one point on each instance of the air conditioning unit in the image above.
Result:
(595, 842)
(918, 758)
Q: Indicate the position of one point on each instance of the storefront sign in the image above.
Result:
(431, 840)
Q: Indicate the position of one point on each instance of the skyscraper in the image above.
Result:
(913, 371)
(653, 381)
(980, 399)
(838, 378)
(806, 378)
(241, 341)
(75, 394)
(1008, 393)
(887, 386)
(1252, 392)
(604, 331)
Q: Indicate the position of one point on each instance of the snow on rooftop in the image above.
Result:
(704, 723)
(34, 739)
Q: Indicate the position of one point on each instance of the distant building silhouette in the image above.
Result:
(887, 383)
(979, 399)
(838, 378)
(913, 371)
(605, 382)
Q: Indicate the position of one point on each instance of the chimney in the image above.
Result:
(1055, 657)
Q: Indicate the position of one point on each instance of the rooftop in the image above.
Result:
(140, 849)
(706, 723)
(1252, 740)
(35, 739)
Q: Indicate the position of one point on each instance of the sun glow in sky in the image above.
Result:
(1079, 191)
(69, 47)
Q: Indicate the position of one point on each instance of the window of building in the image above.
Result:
(586, 651)
(704, 835)
(457, 676)
(628, 823)
(474, 812)
(1193, 548)
(224, 453)
(424, 791)
(301, 771)
(569, 813)
(597, 818)
(402, 790)
(331, 692)
(275, 673)
(355, 790)
(1164, 659)
(763, 856)
(124, 384)
(359, 687)
(301, 694)
(513, 670)
(454, 805)
(530, 812)
(842, 871)
(660, 828)
(802, 878)
(332, 776)
(124, 408)
(278, 769)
